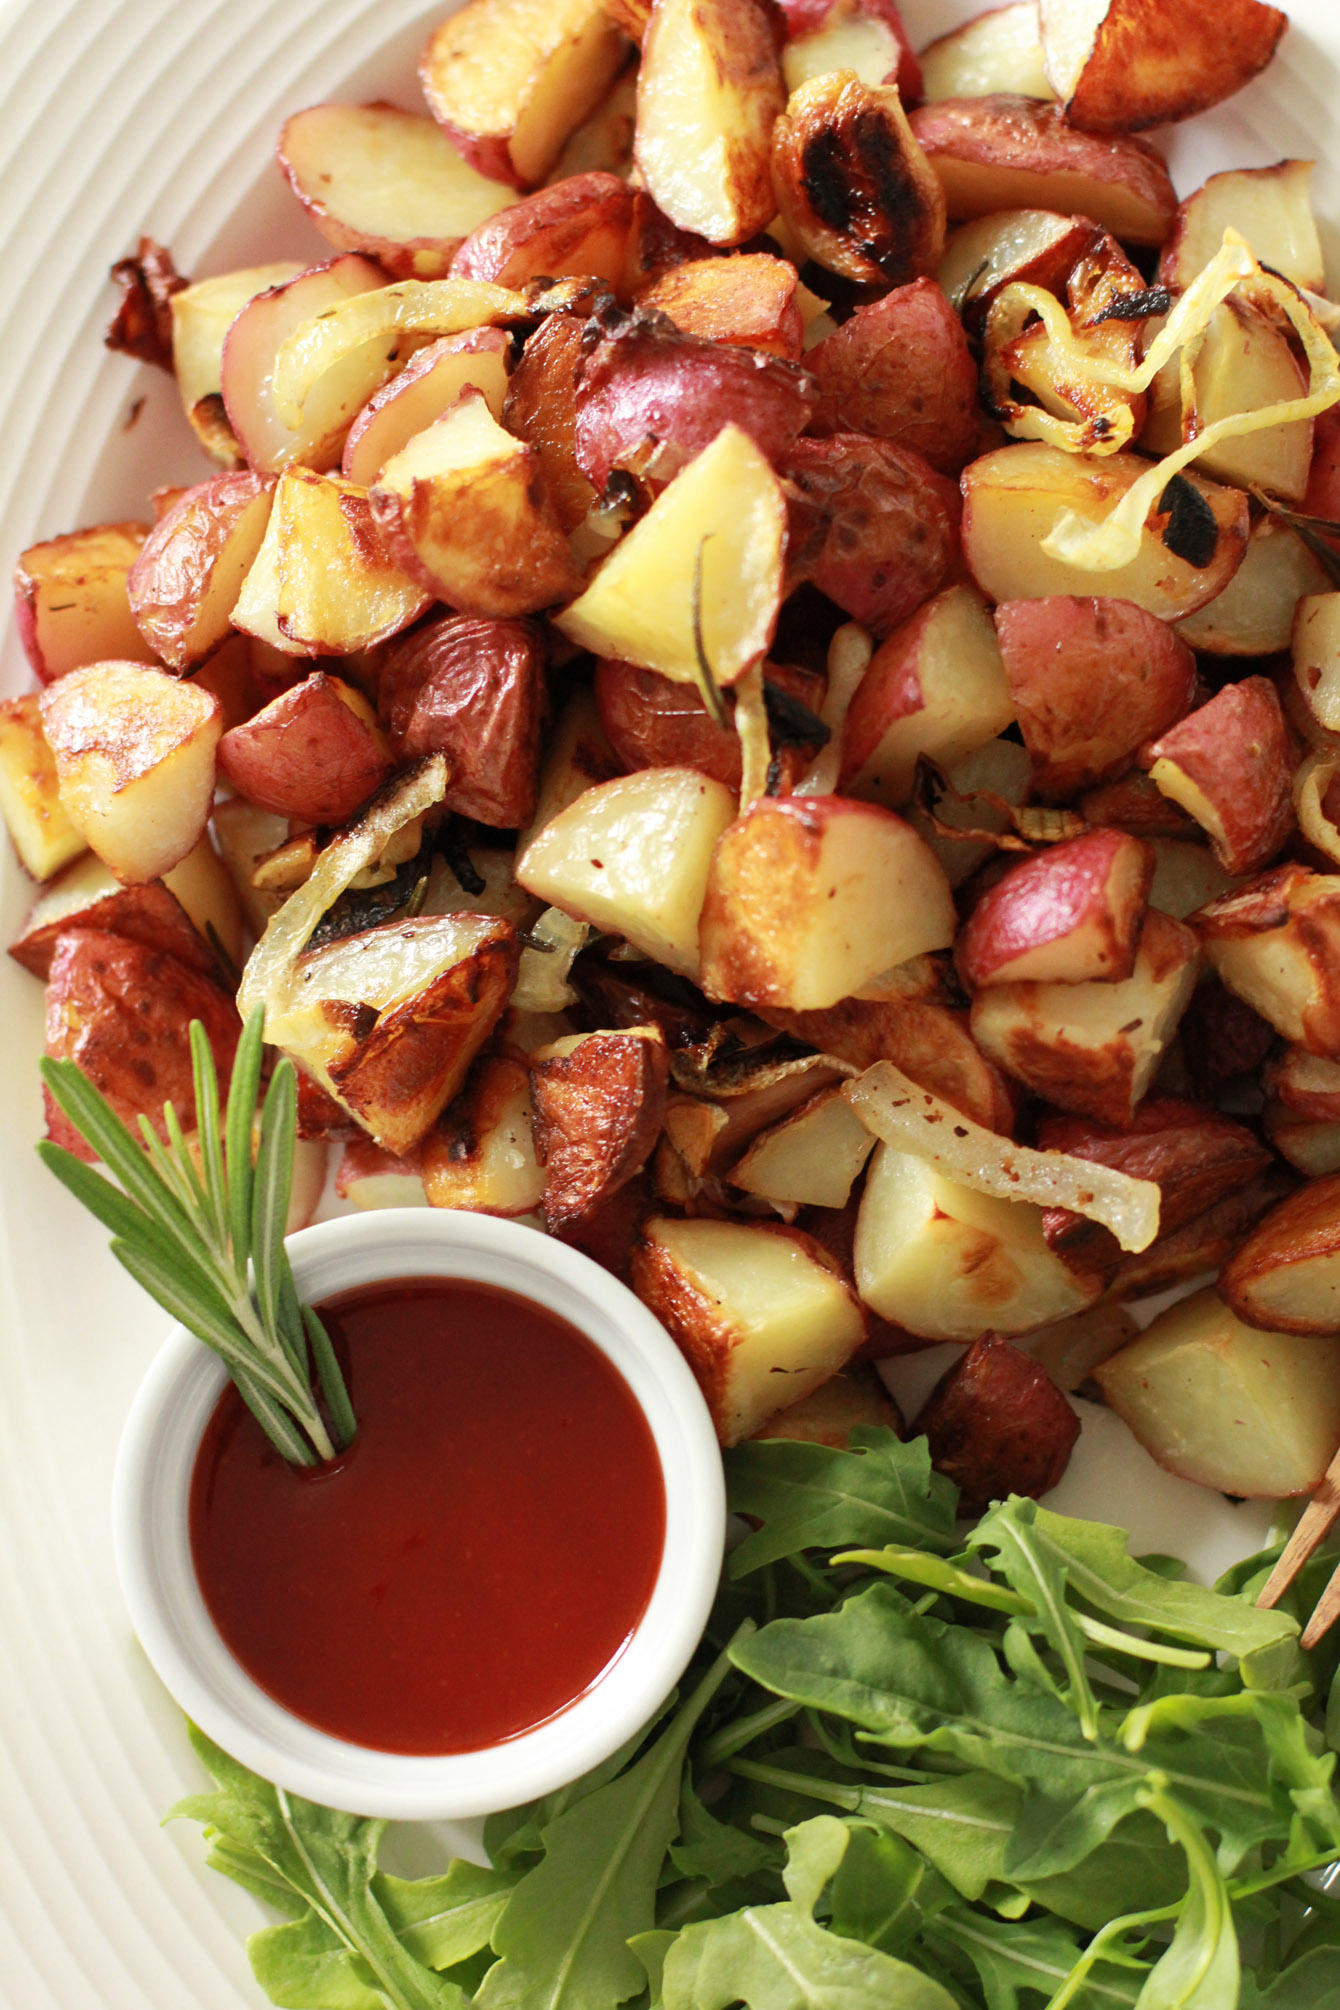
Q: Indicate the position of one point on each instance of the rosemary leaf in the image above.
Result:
(200, 1310)
(107, 1202)
(332, 1381)
(242, 1093)
(96, 1121)
(273, 1418)
(271, 1183)
(207, 1125)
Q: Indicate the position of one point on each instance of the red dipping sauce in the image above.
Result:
(476, 1559)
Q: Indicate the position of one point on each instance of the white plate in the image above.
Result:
(116, 117)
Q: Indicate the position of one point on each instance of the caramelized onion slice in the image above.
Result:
(913, 1120)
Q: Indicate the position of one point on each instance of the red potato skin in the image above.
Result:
(541, 409)
(997, 1425)
(163, 583)
(1054, 893)
(598, 1114)
(648, 382)
(901, 370)
(1239, 751)
(657, 246)
(579, 227)
(122, 1011)
(472, 688)
(1323, 482)
(1138, 50)
(1195, 1157)
(149, 915)
(1092, 679)
(653, 722)
(871, 525)
(1221, 1037)
(306, 754)
(1024, 137)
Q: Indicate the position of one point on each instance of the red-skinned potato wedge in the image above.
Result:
(462, 508)
(315, 753)
(653, 722)
(760, 1313)
(997, 1424)
(1313, 1149)
(709, 92)
(135, 756)
(947, 1263)
(1120, 67)
(853, 185)
(1306, 1085)
(579, 227)
(603, 143)
(87, 895)
(901, 369)
(1275, 943)
(1005, 152)
(70, 600)
(1204, 1243)
(122, 1010)
(1091, 679)
(936, 687)
(748, 298)
(480, 1155)
(632, 857)
(424, 391)
(1195, 1156)
(1271, 206)
(1254, 615)
(1286, 1275)
(714, 537)
(202, 314)
(650, 398)
(371, 1177)
(1248, 1413)
(812, 1158)
(184, 583)
(988, 253)
(1000, 50)
(253, 342)
(812, 896)
(928, 1040)
(1014, 498)
(322, 583)
(869, 39)
(599, 1103)
(385, 183)
(1230, 764)
(1316, 658)
(509, 80)
(541, 409)
(1093, 1047)
(1068, 914)
(389, 1020)
(872, 526)
(43, 834)
(475, 691)
(1244, 362)
(830, 1413)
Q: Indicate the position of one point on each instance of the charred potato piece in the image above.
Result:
(1286, 1276)
(997, 1425)
(598, 1112)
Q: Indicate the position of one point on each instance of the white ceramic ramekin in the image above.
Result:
(149, 1509)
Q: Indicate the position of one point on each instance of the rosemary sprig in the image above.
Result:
(207, 1242)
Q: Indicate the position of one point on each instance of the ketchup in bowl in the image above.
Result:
(474, 1562)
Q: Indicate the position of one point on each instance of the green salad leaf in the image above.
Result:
(1020, 1770)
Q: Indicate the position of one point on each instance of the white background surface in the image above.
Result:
(116, 117)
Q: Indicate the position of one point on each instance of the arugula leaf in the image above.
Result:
(562, 1937)
(1100, 1569)
(777, 1957)
(444, 1920)
(883, 1891)
(328, 1861)
(913, 1681)
(1037, 1572)
(1032, 1958)
(1201, 1968)
(305, 1966)
(1310, 1983)
(710, 1849)
(816, 1497)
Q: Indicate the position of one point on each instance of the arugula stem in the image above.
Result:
(733, 1737)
